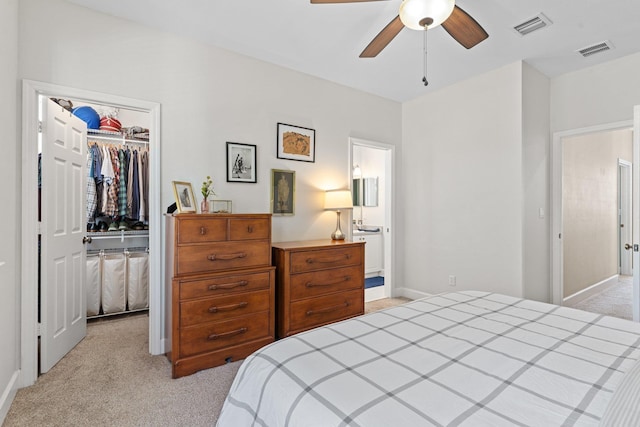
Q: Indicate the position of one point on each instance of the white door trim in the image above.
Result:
(635, 212)
(29, 279)
(625, 201)
(556, 199)
(388, 231)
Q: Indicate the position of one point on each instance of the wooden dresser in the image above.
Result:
(317, 282)
(220, 288)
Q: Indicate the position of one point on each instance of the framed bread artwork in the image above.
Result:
(296, 143)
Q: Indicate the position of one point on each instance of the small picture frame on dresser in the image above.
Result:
(185, 200)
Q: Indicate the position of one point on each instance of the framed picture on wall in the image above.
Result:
(283, 192)
(185, 201)
(296, 143)
(241, 162)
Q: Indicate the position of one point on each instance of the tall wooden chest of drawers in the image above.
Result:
(317, 282)
(220, 288)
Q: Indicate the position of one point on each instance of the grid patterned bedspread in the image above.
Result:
(465, 358)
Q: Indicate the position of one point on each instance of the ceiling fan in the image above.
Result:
(424, 15)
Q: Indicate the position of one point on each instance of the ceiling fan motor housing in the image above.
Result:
(424, 14)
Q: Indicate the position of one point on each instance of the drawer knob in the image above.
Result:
(250, 229)
(227, 334)
(203, 231)
(228, 285)
(328, 260)
(226, 257)
(328, 309)
(229, 307)
(335, 282)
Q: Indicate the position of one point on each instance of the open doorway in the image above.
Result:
(32, 93)
(372, 189)
(592, 195)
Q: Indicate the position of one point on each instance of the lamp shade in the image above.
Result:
(412, 12)
(338, 199)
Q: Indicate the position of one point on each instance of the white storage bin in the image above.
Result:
(93, 285)
(113, 283)
(137, 280)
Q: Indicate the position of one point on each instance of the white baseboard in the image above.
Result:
(410, 293)
(8, 395)
(590, 291)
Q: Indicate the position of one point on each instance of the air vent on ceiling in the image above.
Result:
(530, 25)
(595, 48)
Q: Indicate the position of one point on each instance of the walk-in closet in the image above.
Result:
(117, 279)
(113, 190)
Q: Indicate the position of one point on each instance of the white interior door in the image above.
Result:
(625, 225)
(63, 300)
(636, 213)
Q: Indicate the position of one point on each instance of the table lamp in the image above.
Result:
(336, 200)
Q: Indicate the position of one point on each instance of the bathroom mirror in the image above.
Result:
(356, 192)
(370, 191)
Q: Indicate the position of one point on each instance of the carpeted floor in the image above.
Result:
(615, 301)
(110, 379)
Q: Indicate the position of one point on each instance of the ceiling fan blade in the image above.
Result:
(341, 1)
(383, 38)
(464, 29)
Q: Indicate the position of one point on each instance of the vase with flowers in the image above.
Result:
(206, 190)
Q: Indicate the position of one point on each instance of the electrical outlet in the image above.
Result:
(452, 280)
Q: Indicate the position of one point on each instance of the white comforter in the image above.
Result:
(465, 358)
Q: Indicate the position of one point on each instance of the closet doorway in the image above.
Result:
(33, 92)
(372, 182)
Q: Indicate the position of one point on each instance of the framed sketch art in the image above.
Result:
(241, 162)
(185, 201)
(283, 192)
(296, 143)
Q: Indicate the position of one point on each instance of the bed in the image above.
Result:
(465, 358)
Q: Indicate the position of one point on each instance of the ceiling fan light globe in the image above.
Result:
(414, 11)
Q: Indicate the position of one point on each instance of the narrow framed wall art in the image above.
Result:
(283, 192)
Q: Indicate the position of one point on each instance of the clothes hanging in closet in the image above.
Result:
(118, 182)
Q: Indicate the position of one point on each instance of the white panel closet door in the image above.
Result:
(63, 259)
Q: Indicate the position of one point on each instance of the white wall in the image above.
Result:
(604, 93)
(9, 214)
(462, 174)
(535, 173)
(210, 96)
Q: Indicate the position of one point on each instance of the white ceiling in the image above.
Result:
(325, 40)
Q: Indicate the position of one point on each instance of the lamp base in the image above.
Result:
(338, 234)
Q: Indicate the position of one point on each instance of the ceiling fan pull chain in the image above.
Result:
(424, 77)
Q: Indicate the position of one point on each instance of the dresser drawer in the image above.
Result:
(223, 307)
(217, 335)
(222, 256)
(315, 312)
(249, 229)
(202, 230)
(327, 258)
(224, 285)
(305, 285)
